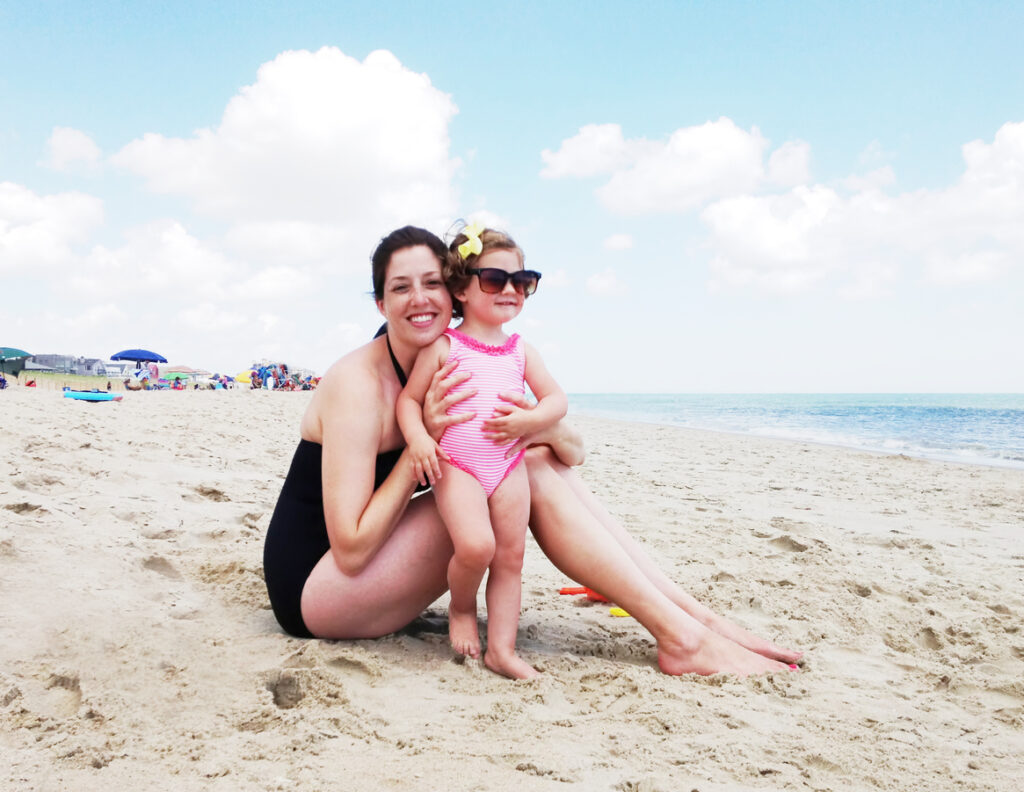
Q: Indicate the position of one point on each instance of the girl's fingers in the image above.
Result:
(518, 399)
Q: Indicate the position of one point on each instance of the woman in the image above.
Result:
(350, 554)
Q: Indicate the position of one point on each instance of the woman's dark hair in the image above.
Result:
(409, 236)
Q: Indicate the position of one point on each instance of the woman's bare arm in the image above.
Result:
(359, 518)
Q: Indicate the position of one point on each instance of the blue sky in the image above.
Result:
(722, 196)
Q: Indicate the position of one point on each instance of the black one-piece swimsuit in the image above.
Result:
(297, 536)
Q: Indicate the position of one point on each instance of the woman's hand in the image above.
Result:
(439, 399)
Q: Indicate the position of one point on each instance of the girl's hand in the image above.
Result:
(439, 398)
(424, 454)
(565, 441)
(511, 423)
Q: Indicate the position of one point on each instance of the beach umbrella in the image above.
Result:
(243, 377)
(176, 375)
(139, 356)
(11, 353)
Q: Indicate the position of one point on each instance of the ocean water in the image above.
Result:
(986, 429)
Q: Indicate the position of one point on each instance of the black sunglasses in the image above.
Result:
(493, 280)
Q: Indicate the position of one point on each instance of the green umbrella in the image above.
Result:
(173, 375)
(11, 353)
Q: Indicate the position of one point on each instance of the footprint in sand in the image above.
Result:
(64, 694)
(212, 493)
(929, 639)
(23, 508)
(161, 566)
(786, 542)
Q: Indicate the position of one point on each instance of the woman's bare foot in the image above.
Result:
(711, 653)
(463, 633)
(512, 665)
(737, 634)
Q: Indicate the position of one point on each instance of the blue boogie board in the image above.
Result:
(92, 396)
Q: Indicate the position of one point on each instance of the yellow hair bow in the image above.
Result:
(472, 245)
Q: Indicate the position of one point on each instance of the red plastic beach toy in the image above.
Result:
(592, 595)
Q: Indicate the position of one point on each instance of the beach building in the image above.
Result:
(70, 364)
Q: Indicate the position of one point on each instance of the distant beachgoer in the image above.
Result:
(350, 554)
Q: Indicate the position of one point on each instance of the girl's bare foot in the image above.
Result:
(512, 665)
(463, 633)
(711, 653)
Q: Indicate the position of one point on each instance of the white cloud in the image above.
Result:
(790, 164)
(618, 242)
(605, 283)
(160, 259)
(966, 233)
(696, 165)
(595, 150)
(557, 279)
(488, 219)
(876, 179)
(68, 147)
(320, 138)
(43, 230)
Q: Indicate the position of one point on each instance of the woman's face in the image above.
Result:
(416, 302)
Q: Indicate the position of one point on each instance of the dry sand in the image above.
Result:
(138, 651)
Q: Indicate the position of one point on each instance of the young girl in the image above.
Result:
(481, 488)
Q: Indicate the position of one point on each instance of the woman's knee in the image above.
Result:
(541, 465)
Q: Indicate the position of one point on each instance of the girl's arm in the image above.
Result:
(420, 446)
(551, 406)
(359, 519)
(562, 438)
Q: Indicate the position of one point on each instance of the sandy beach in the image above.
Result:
(138, 650)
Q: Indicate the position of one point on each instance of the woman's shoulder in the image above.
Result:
(354, 374)
(350, 386)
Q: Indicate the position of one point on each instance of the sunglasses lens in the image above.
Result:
(525, 282)
(493, 280)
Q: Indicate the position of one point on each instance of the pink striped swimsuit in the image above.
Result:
(495, 369)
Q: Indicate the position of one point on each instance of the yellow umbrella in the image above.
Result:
(243, 377)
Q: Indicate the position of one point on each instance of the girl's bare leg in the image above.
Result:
(670, 589)
(407, 574)
(509, 508)
(462, 504)
(584, 549)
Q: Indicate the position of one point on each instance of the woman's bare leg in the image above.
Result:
(463, 506)
(670, 589)
(584, 549)
(407, 574)
(509, 508)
